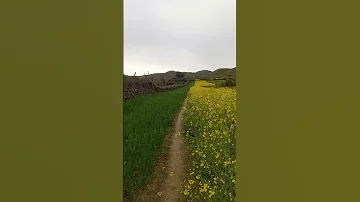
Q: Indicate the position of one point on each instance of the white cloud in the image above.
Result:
(164, 35)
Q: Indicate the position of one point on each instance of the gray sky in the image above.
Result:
(179, 35)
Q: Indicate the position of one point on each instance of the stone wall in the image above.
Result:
(134, 87)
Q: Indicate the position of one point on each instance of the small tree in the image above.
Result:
(229, 82)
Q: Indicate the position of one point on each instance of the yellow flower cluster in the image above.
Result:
(209, 128)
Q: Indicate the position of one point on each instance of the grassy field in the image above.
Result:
(209, 128)
(146, 121)
(217, 82)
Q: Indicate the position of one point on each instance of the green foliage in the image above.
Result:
(217, 82)
(229, 82)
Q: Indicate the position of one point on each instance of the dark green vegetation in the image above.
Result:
(217, 82)
(228, 82)
(172, 77)
(147, 119)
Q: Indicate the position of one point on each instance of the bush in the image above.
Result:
(228, 83)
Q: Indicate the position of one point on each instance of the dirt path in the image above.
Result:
(172, 191)
(166, 183)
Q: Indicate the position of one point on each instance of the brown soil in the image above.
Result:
(166, 183)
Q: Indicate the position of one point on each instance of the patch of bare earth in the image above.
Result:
(165, 185)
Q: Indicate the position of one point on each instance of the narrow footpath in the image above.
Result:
(167, 180)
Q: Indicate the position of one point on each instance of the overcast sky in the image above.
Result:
(179, 35)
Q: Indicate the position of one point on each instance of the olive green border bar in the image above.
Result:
(298, 108)
(61, 101)
(121, 60)
(252, 104)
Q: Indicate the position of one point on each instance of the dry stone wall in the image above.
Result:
(134, 87)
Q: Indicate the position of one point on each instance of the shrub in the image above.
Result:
(228, 83)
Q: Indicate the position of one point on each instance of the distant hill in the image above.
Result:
(222, 72)
(203, 74)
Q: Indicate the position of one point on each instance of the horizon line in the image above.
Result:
(182, 71)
